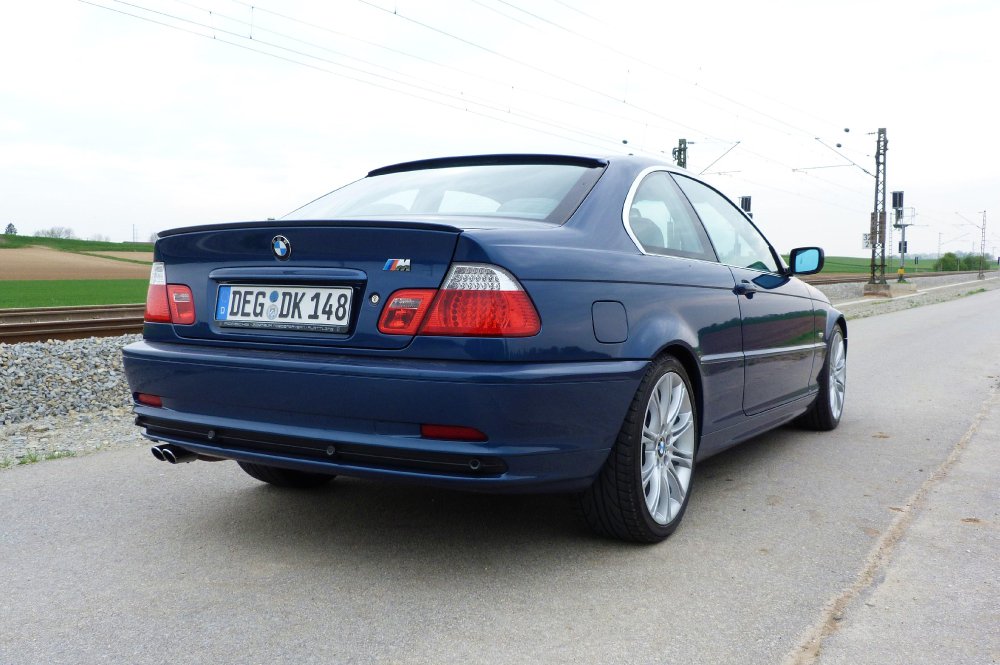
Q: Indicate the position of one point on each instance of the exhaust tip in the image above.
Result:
(158, 453)
(475, 464)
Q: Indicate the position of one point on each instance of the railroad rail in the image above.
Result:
(39, 324)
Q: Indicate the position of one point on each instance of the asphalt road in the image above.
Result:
(117, 558)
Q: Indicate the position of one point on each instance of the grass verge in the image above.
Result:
(67, 245)
(71, 292)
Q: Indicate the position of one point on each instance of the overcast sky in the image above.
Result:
(119, 118)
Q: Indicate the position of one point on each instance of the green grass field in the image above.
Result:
(853, 264)
(14, 242)
(71, 292)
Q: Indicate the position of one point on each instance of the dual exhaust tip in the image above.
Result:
(173, 454)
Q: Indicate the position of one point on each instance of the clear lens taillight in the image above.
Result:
(157, 309)
(480, 300)
(475, 300)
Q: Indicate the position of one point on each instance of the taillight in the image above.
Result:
(168, 303)
(404, 311)
(475, 300)
(157, 308)
(181, 304)
(479, 300)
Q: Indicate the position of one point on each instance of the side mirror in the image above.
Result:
(806, 260)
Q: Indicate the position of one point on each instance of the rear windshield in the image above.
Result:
(542, 192)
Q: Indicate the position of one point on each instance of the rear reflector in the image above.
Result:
(148, 400)
(451, 433)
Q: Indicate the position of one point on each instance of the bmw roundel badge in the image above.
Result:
(281, 247)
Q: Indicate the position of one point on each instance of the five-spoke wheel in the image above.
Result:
(644, 487)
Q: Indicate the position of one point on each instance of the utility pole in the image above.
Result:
(982, 249)
(878, 214)
(680, 153)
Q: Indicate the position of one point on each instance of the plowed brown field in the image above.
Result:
(132, 256)
(44, 263)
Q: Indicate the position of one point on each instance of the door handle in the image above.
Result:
(745, 288)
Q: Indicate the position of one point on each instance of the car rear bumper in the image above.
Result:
(549, 425)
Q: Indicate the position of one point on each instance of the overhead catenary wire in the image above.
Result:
(484, 108)
(656, 67)
(522, 63)
(479, 75)
(607, 142)
(421, 24)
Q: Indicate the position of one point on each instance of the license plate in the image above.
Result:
(311, 308)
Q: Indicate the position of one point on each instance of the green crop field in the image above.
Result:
(71, 292)
(66, 245)
(854, 264)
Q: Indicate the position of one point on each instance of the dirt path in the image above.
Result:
(44, 263)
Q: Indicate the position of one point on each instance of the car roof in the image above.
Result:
(589, 161)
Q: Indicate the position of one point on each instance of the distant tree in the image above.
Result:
(947, 262)
(11, 230)
(153, 237)
(972, 262)
(99, 238)
(56, 232)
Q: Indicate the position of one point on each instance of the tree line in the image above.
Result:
(952, 261)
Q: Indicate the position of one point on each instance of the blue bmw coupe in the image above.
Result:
(496, 323)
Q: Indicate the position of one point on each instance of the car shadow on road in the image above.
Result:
(402, 519)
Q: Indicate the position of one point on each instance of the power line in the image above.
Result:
(480, 76)
(357, 79)
(529, 66)
(659, 69)
(563, 79)
(555, 128)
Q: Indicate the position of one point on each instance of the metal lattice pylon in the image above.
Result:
(878, 214)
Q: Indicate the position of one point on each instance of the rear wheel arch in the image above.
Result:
(687, 358)
(841, 323)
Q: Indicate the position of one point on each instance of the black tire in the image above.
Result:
(285, 477)
(825, 413)
(616, 504)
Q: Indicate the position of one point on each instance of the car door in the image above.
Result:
(779, 335)
(691, 293)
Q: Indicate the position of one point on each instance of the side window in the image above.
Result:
(661, 222)
(737, 242)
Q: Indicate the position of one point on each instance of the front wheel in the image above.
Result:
(642, 491)
(279, 477)
(824, 414)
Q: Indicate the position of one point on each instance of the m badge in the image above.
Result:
(397, 265)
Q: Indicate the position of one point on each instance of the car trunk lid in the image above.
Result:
(303, 283)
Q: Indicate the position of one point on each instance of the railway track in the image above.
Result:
(42, 323)
(38, 324)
